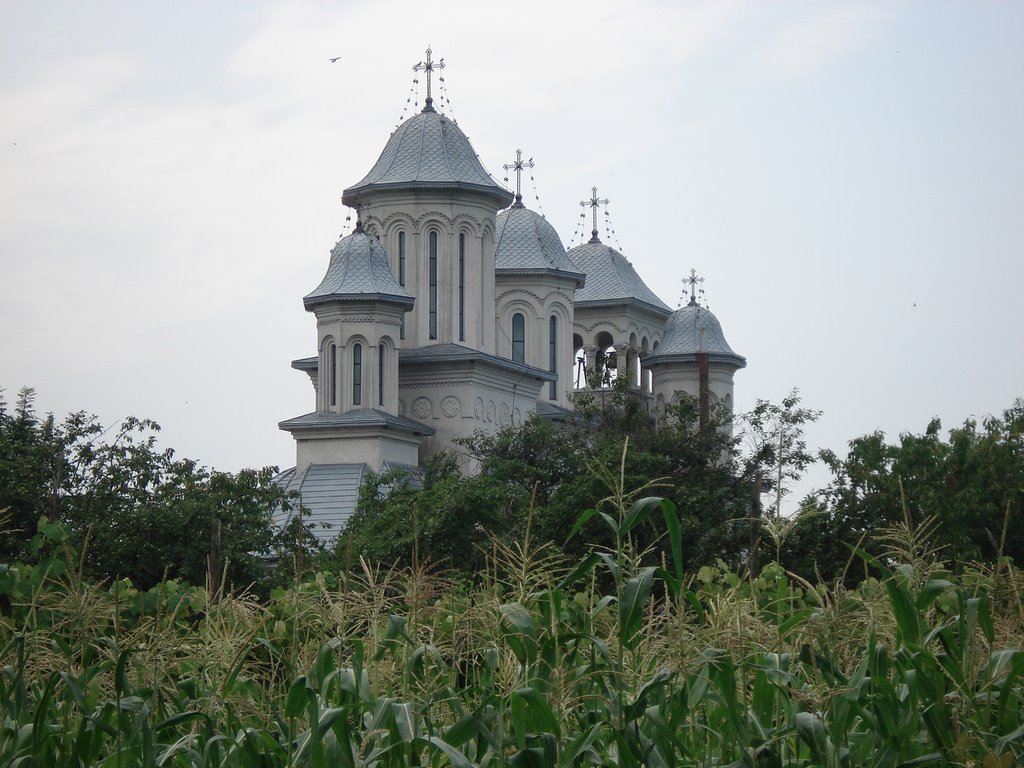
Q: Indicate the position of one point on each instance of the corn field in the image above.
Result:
(538, 663)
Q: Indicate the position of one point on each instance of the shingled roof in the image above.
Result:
(428, 151)
(525, 242)
(611, 279)
(358, 271)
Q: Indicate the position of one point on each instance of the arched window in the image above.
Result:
(462, 286)
(553, 356)
(332, 374)
(401, 278)
(380, 375)
(519, 337)
(432, 293)
(357, 374)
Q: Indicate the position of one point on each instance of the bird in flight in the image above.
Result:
(335, 59)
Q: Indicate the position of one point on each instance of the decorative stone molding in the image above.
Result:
(503, 415)
(514, 291)
(491, 411)
(478, 409)
(369, 319)
(431, 216)
(394, 218)
(422, 408)
(450, 406)
(433, 384)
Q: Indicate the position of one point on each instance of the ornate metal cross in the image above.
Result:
(518, 167)
(693, 281)
(428, 66)
(593, 202)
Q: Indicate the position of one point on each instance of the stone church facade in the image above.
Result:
(454, 308)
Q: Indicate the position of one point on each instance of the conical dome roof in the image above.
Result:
(428, 151)
(525, 242)
(611, 279)
(689, 331)
(358, 271)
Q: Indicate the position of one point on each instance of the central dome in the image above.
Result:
(428, 151)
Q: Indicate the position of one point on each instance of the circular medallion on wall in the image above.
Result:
(421, 408)
(401, 408)
(503, 415)
(491, 410)
(450, 406)
(478, 409)
(517, 417)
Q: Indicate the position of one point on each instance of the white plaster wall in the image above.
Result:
(386, 213)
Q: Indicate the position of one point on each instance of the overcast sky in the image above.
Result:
(848, 177)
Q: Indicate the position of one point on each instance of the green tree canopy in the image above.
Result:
(135, 510)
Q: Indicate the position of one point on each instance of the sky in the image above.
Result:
(847, 177)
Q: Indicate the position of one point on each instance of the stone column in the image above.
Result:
(590, 366)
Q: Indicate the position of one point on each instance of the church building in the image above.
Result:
(453, 308)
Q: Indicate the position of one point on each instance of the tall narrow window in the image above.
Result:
(380, 375)
(462, 287)
(519, 337)
(401, 278)
(401, 259)
(553, 356)
(332, 382)
(432, 294)
(357, 374)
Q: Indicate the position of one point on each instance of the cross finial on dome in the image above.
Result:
(428, 66)
(693, 282)
(593, 202)
(518, 167)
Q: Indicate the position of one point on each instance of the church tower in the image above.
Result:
(694, 357)
(432, 205)
(618, 319)
(535, 282)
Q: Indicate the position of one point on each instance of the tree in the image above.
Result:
(445, 524)
(777, 458)
(970, 486)
(31, 466)
(549, 473)
(132, 510)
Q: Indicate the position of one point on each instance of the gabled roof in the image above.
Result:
(690, 331)
(358, 271)
(428, 151)
(525, 242)
(611, 279)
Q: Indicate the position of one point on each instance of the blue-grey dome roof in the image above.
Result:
(428, 151)
(526, 242)
(689, 331)
(611, 279)
(358, 271)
